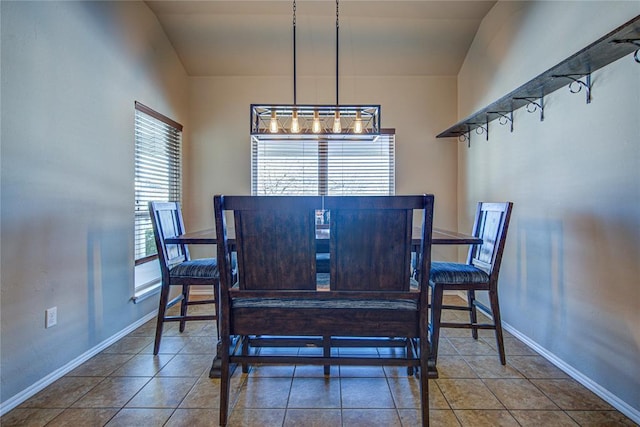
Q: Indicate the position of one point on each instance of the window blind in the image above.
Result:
(157, 172)
(323, 166)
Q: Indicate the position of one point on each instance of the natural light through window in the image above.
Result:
(326, 165)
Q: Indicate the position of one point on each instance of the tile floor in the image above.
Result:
(125, 385)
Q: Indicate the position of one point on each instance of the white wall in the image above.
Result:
(71, 72)
(569, 280)
(417, 107)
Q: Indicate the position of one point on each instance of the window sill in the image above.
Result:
(147, 292)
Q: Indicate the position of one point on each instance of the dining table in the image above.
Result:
(439, 236)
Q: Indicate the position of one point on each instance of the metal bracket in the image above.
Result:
(466, 137)
(533, 105)
(635, 42)
(575, 80)
(504, 118)
(483, 127)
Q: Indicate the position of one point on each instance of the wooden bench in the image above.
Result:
(370, 294)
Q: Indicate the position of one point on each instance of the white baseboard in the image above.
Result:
(603, 393)
(16, 400)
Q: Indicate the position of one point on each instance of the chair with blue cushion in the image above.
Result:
(480, 273)
(178, 269)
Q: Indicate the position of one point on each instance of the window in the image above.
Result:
(326, 165)
(157, 177)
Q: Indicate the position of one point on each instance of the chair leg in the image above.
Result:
(224, 381)
(245, 352)
(326, 352)
(497, 321)
(183, 306)
(216, 297)
(424, 382)
(436, 315)
(162, 309)
(410, 355)
(473, 313)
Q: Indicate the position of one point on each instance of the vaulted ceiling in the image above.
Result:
(381, 38)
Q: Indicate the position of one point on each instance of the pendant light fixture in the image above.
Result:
(297, 120)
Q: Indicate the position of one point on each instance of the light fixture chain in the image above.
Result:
(294, 55)
(337, 50)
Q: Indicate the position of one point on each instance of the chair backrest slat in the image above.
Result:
(275, 241)
(491, 223)
(166, 218)
(370, 247)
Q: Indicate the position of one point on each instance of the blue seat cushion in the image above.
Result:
(452, 273)
(325, 303)
(196, 268)
(323, 263)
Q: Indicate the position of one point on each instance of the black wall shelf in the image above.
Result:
(574, 71)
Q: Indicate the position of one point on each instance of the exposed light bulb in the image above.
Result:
(273, 123)
(295, 126)
(357, 124)
(315, 127)
(337, 126)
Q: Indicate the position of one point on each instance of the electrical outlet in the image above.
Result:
(51, 317)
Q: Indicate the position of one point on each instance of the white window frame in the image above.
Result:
(158, 176)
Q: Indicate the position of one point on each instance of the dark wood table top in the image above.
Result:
(439, 237)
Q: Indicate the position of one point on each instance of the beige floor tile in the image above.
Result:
(406, 393)
(62, 393)
(193, 329)
(535, 367)
(29, 417)
(365, 393)
(272, 371)
(199, 345)
(370, 418)
(313, 418)
(129, 417)
(148, 330)
(143, 365)
(468, 394)
(316, 371)
(113, 392)
(194, 418)
(168, 345)
(162, 392)
(490, 367)
(445, 348)
(205, 394)
(86, 417)
(519, 394)
(570, 395)
(512, 346)
(485, 418)
(100, 365)
(395, 371)
(454, 367)
(455, 332)
(537, 418)
(315, 393)
(186, 365)
(256, 417)
(264, 393)
(362, 372)
(437, 417)
(472, 347)
(128, 345)
(600, 418)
